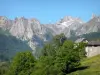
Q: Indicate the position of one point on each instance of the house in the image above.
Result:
(92, 48)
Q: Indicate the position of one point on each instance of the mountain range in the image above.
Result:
(35, 33)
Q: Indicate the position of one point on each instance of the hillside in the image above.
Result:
(10, 45)
(89, 66)
(89, 36)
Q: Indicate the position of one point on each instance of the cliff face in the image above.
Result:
(91, 26)
(24, 29)
(35, 33)
(5, 23)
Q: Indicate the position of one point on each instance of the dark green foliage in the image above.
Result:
(50, 48)
(22, 64)
(81, 49)
(59, 57)
(67, 58)
(44, 66)
(89, 36)
(92, 36)
(58, 40)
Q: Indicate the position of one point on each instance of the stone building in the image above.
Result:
(92, 48)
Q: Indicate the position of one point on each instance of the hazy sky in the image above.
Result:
(49, 10)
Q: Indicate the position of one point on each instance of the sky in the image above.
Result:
(49, 11)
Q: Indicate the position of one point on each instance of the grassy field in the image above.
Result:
(89, 66)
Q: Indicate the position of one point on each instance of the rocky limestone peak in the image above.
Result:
(5, 23)
(93, 16)
(3, 20)
(93, 25)
(69, 22)
(34, 20)
(18, 27)
(20, 19)
(35, 25)
(94, 19)
(70, 19)
(25, 29)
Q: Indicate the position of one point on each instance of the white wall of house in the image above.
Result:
(92, 50)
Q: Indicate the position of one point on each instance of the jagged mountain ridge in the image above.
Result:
(91, 26)
(35, 33)
(66, 23)
(29, 30)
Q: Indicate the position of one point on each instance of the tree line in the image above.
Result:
(58, 57)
